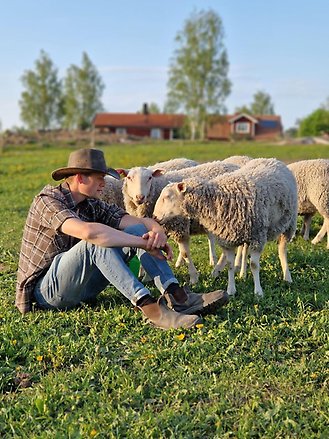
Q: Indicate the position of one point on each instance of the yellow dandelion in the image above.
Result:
(199, 325)
(144, 339)
(14, 342)
(39, 358)
(93, 433)
(180, 337)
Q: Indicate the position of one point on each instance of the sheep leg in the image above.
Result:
(305, 231)
(184, 251)
(255, 266)
(244, 258)
(221, 264)
(212, 249)
(282, 249)
(227, 257)
(324, 229)
(237, 260)
(230, 256)
(180, 259)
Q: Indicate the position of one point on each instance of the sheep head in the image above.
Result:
(138, 183)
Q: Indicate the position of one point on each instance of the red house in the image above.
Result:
(166, 126)
(156, 126)
(244, 126)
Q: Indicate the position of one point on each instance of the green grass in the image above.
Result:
(256, 369)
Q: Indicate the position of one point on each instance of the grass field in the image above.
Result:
(256, 369)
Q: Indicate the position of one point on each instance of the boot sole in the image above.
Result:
(209, 309)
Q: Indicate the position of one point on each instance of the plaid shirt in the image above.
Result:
(42, 239)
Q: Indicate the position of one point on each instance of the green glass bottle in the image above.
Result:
(134, 265)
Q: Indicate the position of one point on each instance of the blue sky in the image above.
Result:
(280, 47)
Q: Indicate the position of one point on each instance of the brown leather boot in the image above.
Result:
(187, 302)
(159, 315)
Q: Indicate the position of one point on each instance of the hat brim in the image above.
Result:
(61, 173)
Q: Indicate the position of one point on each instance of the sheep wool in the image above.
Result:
(251, 205)
(312, 178)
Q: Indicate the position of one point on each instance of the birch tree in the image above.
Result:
(198, 81)
(40, 103)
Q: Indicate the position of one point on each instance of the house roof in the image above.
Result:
(238, 116)
(140, 120)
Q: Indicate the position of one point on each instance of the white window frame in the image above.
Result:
(156, 133)
(121, 131)
(242, 127)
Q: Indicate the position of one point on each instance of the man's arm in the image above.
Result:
(106, 236)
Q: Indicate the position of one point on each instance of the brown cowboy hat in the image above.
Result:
(83, 161)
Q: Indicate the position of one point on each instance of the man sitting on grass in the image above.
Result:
(74, 245)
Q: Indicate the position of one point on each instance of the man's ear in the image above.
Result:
(181, 187)
(79, 178)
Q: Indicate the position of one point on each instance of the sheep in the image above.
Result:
(142, 187)
(251, 205)
(312, 178)
(239, 160)
(112, 191)
(174, 164)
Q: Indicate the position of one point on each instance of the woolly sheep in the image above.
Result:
(141, 189)
(249, 206)
(312, 178)
(174, 164)
(112, 191)
(239, 160)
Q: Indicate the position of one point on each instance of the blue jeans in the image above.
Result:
(86, 269)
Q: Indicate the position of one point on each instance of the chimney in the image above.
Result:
(145, 108)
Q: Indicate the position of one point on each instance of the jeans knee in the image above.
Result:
(136, 229)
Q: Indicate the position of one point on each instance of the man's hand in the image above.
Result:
(157, 245)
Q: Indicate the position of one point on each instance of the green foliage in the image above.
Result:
(41, 99)
(198, 84)
(82, 98)
(257, 368)
(315, 124)
(261, 104)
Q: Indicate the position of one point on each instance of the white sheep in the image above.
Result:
(239, 160)
(141, 189)
(174, 164)
(252, 205)
(112, 191)
(312, 178)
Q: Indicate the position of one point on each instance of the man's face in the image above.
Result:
(91, 185)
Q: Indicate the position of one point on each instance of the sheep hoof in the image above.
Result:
(259, 293)
(194, 280)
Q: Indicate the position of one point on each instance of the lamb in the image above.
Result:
(252, 205)
(174, 164)
(141, 189)
(312, 178)
(239, 160)
(112, 191)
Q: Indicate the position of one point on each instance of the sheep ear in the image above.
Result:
(158, 172)
(122, 171)
(181, 187)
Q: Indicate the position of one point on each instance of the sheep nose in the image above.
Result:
(140, 198)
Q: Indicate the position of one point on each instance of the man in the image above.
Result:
(74, 245)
